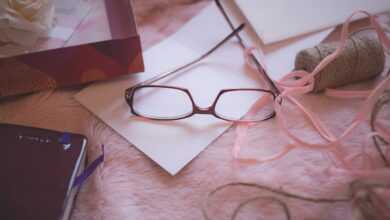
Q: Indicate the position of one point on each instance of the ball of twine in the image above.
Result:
(362, 58)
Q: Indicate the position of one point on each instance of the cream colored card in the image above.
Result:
(280, 56)
(281, 19)
(174, 144)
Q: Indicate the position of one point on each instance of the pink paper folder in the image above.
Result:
(95, 40)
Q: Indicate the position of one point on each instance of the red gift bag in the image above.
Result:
(94, 40)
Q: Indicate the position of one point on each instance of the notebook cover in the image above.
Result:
(278, 20)
(37, 171)
(103, 43)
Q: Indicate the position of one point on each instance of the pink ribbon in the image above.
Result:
(291, 86)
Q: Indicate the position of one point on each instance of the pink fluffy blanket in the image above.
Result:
(130, 186)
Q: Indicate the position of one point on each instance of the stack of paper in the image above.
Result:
(281, 19)
(279, 56)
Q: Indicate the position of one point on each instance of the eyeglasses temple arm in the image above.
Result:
(259, 67)
(166, 74)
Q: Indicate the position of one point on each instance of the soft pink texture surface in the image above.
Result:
(130, 186)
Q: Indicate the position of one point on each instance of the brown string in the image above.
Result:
(363, 58)
(379, 141)
(274, 200)
(368, 205)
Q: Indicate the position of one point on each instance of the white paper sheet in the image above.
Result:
(282, 61)
(174, 144)
(281, 19)
(280, 56)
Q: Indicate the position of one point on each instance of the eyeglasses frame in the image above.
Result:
(274, 91)
(195, 108)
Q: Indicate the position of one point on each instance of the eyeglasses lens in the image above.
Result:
(161, 103)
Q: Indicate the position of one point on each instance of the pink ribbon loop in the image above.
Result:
(301, 82)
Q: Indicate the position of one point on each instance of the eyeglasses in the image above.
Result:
(181, 105)
(141, 98)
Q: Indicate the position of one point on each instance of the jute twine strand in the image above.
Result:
(366, 202)
(379, 141)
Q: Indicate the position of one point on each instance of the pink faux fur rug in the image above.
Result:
(130, 186)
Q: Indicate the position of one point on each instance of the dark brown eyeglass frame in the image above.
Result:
(274, 91)
(195, 108)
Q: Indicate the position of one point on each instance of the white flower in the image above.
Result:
(24, 21)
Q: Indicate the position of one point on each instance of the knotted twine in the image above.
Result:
(330, 66)
(316, 79)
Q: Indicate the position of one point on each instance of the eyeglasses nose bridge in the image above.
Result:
(204, 111)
